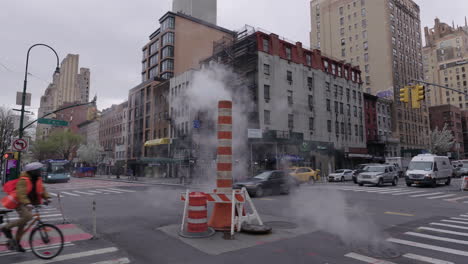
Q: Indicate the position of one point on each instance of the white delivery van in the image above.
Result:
(429, 169)
(401, 163)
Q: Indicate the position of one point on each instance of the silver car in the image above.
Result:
(378, 175)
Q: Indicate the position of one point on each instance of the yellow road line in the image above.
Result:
(397, 213)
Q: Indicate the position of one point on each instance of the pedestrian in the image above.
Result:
(28, 192)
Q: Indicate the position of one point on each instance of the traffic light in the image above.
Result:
(421, 92)
(404, 94)
(6, 155)
(415, 97)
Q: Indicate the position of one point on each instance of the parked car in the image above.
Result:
(304, 174)
(401, 163)
(460, 171)
(429, 169)
(360, 168)
(268, 182)
(378, 175)
(341, 175)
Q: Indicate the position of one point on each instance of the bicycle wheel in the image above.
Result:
(46, 241)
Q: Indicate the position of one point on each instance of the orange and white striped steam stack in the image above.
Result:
(221, 218)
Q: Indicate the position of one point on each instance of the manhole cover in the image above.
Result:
(281, 225)
(382, 251)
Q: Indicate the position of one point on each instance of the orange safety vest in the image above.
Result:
(11, 200)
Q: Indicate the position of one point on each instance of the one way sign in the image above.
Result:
(20, 144)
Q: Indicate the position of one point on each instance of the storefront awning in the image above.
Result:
(157, 142)
(354, 155)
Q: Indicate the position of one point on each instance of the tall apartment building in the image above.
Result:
(445, 56)
(451, 116)
(177, 46)
(69, 86)
(382, 37)
(205, 10)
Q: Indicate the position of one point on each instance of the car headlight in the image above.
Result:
(428, 175)
(49, 177)
(251, 185)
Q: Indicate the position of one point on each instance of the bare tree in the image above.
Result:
(441, 141)
(90, 153)
(7, 131)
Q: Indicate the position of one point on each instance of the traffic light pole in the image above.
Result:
(441, 86)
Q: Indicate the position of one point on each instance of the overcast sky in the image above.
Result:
(108, 36)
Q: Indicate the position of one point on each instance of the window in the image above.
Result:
(328, 105)
(366, 67)
(167, 52)
(167, 65)
(341, 31)
(363, 12)
(311, 123)
(266, 69)
(310, 83)
(153, 72)
(341, 10)
(154, 59)
(168, 39)
(364, 34)
(308, 60)
(364, 23)
(336, 107)
(327, 86)
(343, 42)
(366, 57)
(365, 45)
(343, 52)
(290, 97)
(169, 23)
(266, 117)
(341, 108)
(355, 111)
(266, 45)
(342, 21)
(329, 126)
(289, 76)
(356, 130)
(337, 127)
(266, 92)
(288, 53)
(290, 121)
(311, 102)
(154, 47)
(354, 95)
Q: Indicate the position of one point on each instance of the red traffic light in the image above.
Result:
(6, 155)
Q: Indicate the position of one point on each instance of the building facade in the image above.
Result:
(384, 127)
(71, 85)
(205, 10)
(445, 56)
(382, 37)
(451, 116)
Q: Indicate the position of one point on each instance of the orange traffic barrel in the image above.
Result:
(197, 217)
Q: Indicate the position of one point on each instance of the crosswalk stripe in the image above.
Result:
(426, 259)
(456, 199)
(464, 215)
(458, 218)
(53, 194)
(425, 194)
(387, 191)
(443, 231)
(447, 225)
(69, 193)
(71, 256)
(366, 259)
(84, 193)
(403, 193)
(458, 241)
(91, 191)
(115, 261)
(456, 222)
(106, 190)
(426, 246)
(8, 253)
(120, 190)
(441, 196)
(42, 216)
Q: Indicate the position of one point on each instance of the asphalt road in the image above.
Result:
(323, 223)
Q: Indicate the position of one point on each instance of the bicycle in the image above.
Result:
(42, 239)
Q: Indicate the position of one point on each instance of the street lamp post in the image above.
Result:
(23, 99)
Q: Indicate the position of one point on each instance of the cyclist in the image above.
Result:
(29, 192)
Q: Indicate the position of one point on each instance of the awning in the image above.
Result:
(365, 156)
(157, 142)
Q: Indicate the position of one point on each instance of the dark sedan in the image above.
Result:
(268, 182)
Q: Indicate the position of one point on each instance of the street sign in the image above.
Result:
(53, 122)
(196, 124)
(19, 99)
(254, 133)
(19, 144)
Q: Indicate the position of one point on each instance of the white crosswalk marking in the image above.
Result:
(426, 259)
(115, 261)
(69, 193)
(443, 231)
(441, 196)
(456, 199)
(84, 193)
(458, 241)
(426, 246)
(366, 259)
(403, 193)
(93, 191)
(447, 225)
(111, 191)
(425, 194)
(454, 221)
(53, 194)
(464, 215)
(72, 256)
(120, 190)
(458, 218)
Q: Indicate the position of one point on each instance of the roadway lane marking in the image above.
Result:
(69, 193)
(456, 222)
(403, 193)
(426, 259)
(84, 193)
(397, 213)
(122, 190)
(456, 199)
(114, 261)
(111, 191)
(72, 256)
(366, 259)
(454, 226)
(98, 192)
(441, 196)
(425, 194)
(431, 247)
(458, 218)
(443, 231)
(458, 241)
